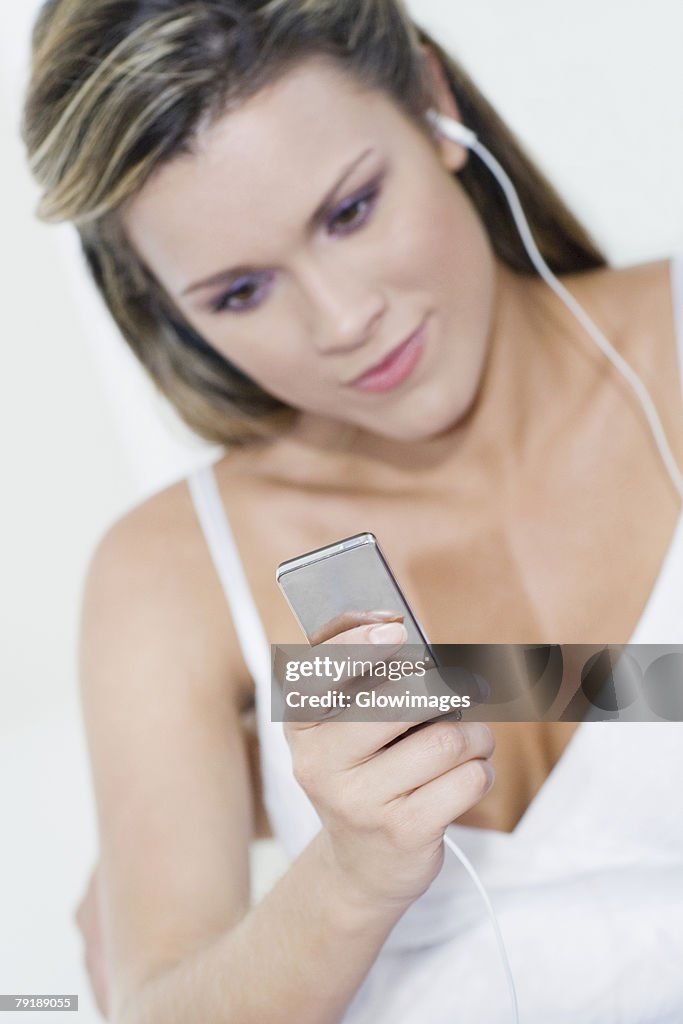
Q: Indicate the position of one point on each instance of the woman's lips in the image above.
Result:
(397, 366)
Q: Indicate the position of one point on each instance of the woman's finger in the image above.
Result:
(425, 755)
(441, 801)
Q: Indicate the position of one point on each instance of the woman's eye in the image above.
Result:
(243, 296)
(355, 214)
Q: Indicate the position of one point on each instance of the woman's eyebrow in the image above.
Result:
(313, 221)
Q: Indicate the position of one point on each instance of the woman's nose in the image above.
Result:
(347, 309)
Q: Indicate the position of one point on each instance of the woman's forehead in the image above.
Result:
(261, 166)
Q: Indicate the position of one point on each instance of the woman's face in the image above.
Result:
(312, 231)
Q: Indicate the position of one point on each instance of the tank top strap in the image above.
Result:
(228, 563)
(291, 814)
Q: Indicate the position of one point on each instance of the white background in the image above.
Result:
(594, 90)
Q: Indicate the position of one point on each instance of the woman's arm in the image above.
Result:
(175, 813)
(299, 955)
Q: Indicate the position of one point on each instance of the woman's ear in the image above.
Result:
(453, 155)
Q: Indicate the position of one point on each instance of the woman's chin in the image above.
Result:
(422, 423)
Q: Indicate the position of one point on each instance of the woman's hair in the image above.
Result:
(118, 87)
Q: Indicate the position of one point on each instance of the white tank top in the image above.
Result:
(588, 888)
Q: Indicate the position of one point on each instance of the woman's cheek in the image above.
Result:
(264, 354)
(462, 260)
(288, 371)
(429, 241)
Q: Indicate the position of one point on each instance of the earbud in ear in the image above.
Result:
(451, 129)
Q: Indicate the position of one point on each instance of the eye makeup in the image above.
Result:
(256, 286)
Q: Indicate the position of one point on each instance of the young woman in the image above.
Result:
(318, 281)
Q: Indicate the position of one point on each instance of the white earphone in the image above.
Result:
(451, 129)
(457, 132)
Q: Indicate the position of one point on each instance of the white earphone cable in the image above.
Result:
(464, 136)
(494, 920)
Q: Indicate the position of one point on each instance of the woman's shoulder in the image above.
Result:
(155, 556)
(634, 307)
(627, 294)
(158, 536)
(162, 534)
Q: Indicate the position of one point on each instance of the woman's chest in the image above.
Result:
(489, 584)
(576, 572)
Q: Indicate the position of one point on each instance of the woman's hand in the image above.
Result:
(88, 918)
(385, 798)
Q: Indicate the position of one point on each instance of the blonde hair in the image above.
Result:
(119, 88)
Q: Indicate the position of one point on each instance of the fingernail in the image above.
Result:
(383, 614)
(389, 633)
